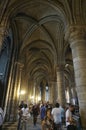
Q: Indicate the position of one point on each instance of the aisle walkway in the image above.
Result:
(13, 126)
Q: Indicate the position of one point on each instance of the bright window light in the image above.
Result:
(22, 92)
(39, 98)
(32, 97)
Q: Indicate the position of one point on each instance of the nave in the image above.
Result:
(42, 54)
(13, 126)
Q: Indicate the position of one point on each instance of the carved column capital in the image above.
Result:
(60, 67)
(75, 32)
(1, 30)
(21, 65)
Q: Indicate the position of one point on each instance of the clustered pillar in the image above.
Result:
(53, 91)
(77, 39)
(43, 93)
(61, 87)
(1, 36)
(70, 93)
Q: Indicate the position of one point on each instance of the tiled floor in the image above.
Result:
(13, 126)
(10, 126)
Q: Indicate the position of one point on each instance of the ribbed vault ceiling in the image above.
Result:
(39, 26)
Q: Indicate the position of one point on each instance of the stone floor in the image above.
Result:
(13, 126)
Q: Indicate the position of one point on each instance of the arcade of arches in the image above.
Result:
(42, 53)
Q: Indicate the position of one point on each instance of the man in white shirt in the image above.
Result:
(25, 116)
(69, 120)
(56, 113)
(25, 112)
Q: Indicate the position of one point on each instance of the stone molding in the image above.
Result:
(21, 65)
(53, 82)
(3, 34)
(60, 68)
(3, 29)
(75, 32)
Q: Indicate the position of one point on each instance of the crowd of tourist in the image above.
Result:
(53, 117)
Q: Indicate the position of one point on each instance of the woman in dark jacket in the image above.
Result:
(35, 112)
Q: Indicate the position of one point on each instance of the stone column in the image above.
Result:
(17, 89)
(15, 97)
(77, 39)
(6, 108)
(11, 101)
(9, 94)
(74, 95)
(70, 91)
(15, 94)
(20, 66)
(70, 94)
(43, 93)
(61, 85)
(30, 90)
(1, 36)
(3, 33)
(34, 92)
(53, 91)
(74, 92)
(37, 93)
